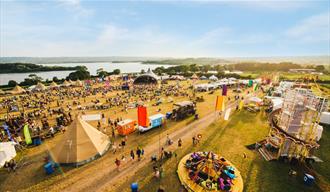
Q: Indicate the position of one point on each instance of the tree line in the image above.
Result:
(29, 67)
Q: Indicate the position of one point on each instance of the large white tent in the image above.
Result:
(7, 152)
(80, 144)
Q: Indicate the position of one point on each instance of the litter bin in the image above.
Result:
(49, 168)
(134, 187)
(37, 141)
(308, 179)
(168, 115)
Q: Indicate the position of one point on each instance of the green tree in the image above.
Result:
(320, 68)
(116, 71)
(55, 79)
(81, 74)
(12, 83)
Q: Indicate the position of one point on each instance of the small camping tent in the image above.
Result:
(7, 152)
(203, 78)
(81, 143)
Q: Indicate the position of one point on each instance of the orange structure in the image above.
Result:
(142, 116)
(126, 127)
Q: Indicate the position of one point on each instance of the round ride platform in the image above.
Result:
(206, 171)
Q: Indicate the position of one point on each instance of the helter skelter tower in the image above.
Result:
(297, 124)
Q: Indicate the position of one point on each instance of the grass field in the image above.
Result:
(229, 140)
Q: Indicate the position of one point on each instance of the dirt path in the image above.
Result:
(103, 176)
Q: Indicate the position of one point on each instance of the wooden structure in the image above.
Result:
(294, 131)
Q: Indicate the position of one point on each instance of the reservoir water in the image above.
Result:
(127, 67)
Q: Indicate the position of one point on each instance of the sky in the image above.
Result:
(242, 28)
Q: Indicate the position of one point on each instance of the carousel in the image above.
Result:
(206, 171)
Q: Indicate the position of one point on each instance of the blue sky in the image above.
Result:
(164, 28)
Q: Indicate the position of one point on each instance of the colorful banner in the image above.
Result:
(227, 114)
(224, 90)
(250, 83)
(256, 86)
(5, 126)
(142, 116)
(27, 136)
(107, 83)
(220, 103)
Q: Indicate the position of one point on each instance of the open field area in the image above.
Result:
(227, 138)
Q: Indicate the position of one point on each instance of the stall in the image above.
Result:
(126, 127)
(154, 121)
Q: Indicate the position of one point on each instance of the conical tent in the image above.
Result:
(81, 144)
(66, 83)
(17, 90)
(78, 83)
(2, 92)
(53, 84)
(194, 76)
(40, 87)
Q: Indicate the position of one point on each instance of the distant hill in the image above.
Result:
(310, 60)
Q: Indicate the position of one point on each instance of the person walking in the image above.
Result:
(117, 162)
(179, 143)
(132, 155)
(138, 153)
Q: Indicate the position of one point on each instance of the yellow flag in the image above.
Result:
(220, 103)
(241, 104)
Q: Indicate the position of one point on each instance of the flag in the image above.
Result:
(224, 90)
(220, 103)
(241, 104)
(5, 126)
(227, 114)
(27, 136)
(250, 83)
(107, 83)
(256, 86)
(142, 116)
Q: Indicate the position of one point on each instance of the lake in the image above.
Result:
(127, 67)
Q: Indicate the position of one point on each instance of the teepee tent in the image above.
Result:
(40, 87)
(17, 90)
(66, 83)
(194, 76)
(53, 85)
(2, 92)
(78, 83)
(81, 144)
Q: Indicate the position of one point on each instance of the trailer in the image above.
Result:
(183, 109)
(154, 121)
(126, 127)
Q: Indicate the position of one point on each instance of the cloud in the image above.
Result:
(75, 7)
(312, 29)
